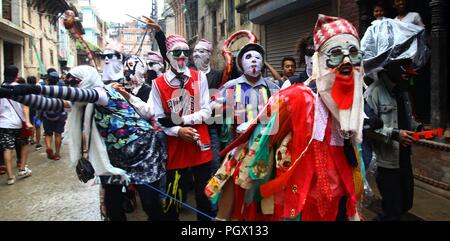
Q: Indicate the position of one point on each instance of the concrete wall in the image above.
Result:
(349, 10)
(47, 33)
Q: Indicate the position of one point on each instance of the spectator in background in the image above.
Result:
(378, 11)
(288, 67)
(389, 99)
(305, 51)
(404, 15)
(34, 115)
(12, 115)
(19, 142)
(54, 123)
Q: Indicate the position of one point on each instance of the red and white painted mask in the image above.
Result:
(339, 77)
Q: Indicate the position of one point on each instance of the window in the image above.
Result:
(40, 20)
(7, 9)
(41, 45)
(29, 12)
(30, 50)
(214, 27)
(230, 19)
(52, 61)
(244, 18)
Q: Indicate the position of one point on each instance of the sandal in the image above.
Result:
(50, 154)
(56, 157)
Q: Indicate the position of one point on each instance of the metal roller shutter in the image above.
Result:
(282, 36)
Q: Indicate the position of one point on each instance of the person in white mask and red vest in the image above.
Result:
(180, 100)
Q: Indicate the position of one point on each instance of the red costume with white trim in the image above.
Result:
(183, 154)
(298, 165)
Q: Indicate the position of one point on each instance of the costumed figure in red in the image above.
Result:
(300, 158)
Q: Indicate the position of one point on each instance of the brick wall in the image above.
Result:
(349, 10)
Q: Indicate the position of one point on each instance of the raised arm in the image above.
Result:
(274, 73)
(41, 103)
(60, 92)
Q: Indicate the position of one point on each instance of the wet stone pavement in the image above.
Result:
(54, 193)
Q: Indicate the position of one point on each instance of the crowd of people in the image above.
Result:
(281, 147)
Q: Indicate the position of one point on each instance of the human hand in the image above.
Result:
(188, 134)
(28, 125)
(121, 89)
(152, 24)
(405, 138)
(24, 89)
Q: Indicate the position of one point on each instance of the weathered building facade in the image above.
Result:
(29, 34)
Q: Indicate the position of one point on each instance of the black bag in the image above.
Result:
(84, 169)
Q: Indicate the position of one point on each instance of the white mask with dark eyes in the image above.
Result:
(112, 67)
(201, 58)
(252, 63)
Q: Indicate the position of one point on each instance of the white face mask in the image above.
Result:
(178, 62)
(201, 58)
(136, 69)
(309, 65)
(112, 67)
(252, 63)
(350, 119)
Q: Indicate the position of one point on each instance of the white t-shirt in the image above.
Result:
(9, 119)
(412, 17)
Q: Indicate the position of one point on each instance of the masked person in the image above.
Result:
(392, 71)
(202, 56)
(134, 70)
(180, 100)
(308, 143)
(112, 63)
(155, 66)
(123, 147)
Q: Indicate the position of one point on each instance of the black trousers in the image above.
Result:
(396, 188)
(201, 174)
(151, 203)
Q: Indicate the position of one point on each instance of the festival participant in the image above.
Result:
(155, 66)
(202, 56)
(112, 63)
(393, 63)
(307, 141)
(123, 147)
(245, 96)
(180, 100)
(134, 71)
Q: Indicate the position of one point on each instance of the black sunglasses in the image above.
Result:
(150, 64)
(72, 80)
(177, 52)
(110, 56)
